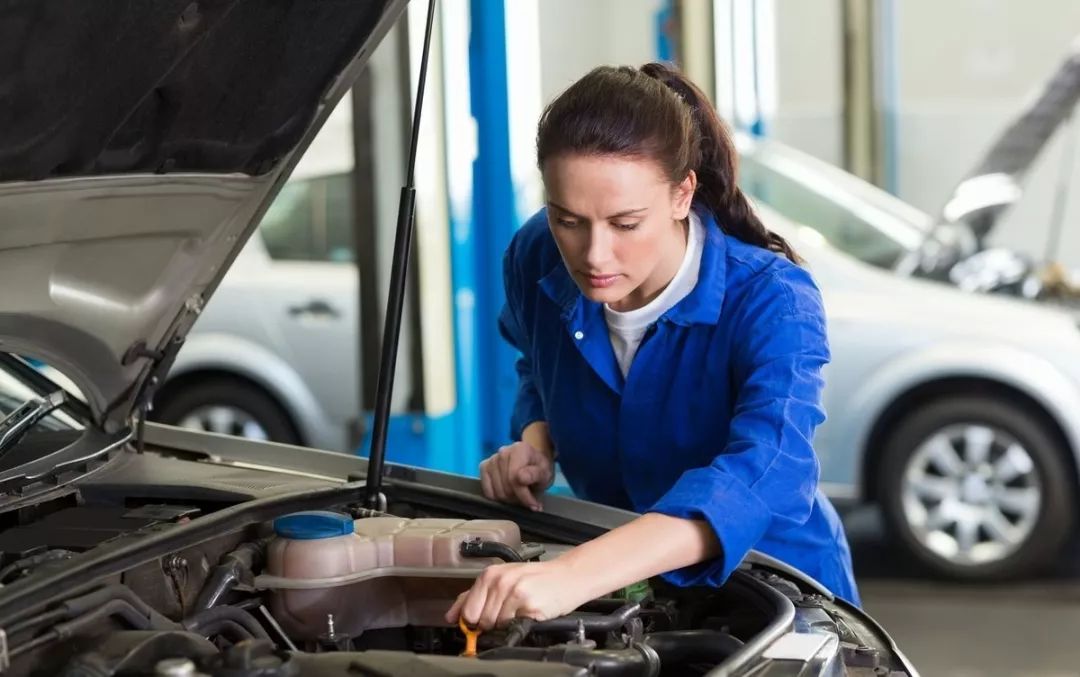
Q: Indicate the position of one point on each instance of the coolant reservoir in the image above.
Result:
(412, 569)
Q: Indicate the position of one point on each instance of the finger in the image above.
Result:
(455, 610)
(535, 475)
(525, 496)
(507, 612)
(498, 478)
(515, 463)
(485, 480)
(517, 468)
(497, 595)
(473, 605)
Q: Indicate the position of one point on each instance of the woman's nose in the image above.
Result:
(598, 250)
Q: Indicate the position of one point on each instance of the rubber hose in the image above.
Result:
(679, 647)
(200, 621)
(114, 607)
(608, 623)
(638, 661)
(490, 549)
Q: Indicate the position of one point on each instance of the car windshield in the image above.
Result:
(847, 221)
(15, 390)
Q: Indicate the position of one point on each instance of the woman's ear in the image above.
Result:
(683, 196)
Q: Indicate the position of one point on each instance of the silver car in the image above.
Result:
(256, 364)
(958, 412)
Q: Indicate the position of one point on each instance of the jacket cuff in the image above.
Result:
(737, 516)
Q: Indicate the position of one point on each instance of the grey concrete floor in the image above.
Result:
(1028, 629)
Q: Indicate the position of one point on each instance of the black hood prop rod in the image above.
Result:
(374, 498)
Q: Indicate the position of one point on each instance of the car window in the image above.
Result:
(840, 225)
(311, 220)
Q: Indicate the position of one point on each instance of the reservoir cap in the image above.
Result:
(313, 524)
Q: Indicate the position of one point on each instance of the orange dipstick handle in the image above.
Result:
(471, 635)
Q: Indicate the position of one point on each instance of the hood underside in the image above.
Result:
(988, 190)
(140, 143)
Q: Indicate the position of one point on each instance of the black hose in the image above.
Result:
(114, 607)
(478, 548)
(137, 612)
(34, 561)
(638, 661)
(92, 608)
(607, 605)
(519, 630)
(85, 604)
(666, 649)
(231, 629)
(35, 643)
(606, 623)
(139, 616)
(47, 618)
(235, 567)
(679, 647)
(205, 621)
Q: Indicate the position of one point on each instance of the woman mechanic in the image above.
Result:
(671, 354)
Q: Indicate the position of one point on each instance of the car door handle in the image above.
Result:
(315, 308)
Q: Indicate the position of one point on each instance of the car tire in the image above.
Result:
(226, 406)
(933, 487)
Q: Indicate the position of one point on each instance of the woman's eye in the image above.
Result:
(566, 223)
(627, 226)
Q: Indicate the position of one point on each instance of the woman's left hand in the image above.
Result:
(538, 590)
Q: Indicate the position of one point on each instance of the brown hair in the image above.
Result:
(656, 112)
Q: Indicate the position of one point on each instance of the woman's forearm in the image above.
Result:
(648, 546)
(538, 436)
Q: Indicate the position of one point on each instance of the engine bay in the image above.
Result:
(342, 589)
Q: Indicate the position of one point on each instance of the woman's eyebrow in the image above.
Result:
(625, 212)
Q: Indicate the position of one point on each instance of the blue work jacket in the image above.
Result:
(715, 417)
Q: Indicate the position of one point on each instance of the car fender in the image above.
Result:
(1035, 376)
(224, 352)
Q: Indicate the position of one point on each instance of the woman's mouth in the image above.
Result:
(601, 281)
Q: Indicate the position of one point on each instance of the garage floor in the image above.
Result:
(949, 630)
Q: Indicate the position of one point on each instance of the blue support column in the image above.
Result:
(494, 217)
(664, 18)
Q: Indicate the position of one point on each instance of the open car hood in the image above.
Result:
(140, 144)
(994, 183)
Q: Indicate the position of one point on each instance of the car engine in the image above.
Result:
(351, 591)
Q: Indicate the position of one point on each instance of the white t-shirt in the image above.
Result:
(627, 329)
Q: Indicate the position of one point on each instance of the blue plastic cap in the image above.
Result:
(306, 526)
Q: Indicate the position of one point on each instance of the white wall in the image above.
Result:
(809, 77)
(578, 35)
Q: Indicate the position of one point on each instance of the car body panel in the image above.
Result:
(890, 334)
(275, 323)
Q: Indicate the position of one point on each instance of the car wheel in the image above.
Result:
(228, 407)
(977, 488)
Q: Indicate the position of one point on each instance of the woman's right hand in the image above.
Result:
(517, 473)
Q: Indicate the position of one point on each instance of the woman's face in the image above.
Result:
(618, 224)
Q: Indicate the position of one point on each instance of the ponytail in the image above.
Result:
(717, 166)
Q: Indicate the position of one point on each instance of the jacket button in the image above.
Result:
(579, 335)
